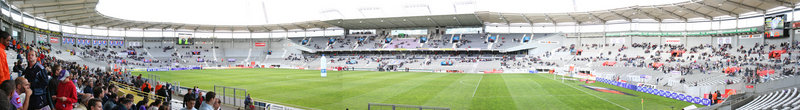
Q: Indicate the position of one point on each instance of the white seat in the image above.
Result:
(772, 100)
(792, 93)
(753, 104)
(755, 101)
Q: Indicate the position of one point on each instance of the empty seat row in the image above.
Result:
(788, 99)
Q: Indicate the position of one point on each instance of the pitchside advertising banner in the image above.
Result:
(668, 94)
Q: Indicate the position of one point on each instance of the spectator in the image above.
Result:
(112, 102)
(217, 105)
(210, 99)
(248, 102)
(154, 105)
(22, 95)
(125, 104)
(6, 89)
(94, 104)
(67, 93)
(84, 102)
(37, 75)
(142, 104)
(5, 74)
(188, 102)
(18, 67)
(164, 106)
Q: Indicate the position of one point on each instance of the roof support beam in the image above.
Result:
(89, 20)
(696, 13)
(457, 21)
(133, 25)
(266, 29)
(104, 23)
(573, 18)
(167, 27)
(504, 18)
(284, 28)
(373, 25)
(672, 14)
(648, 15)
(52, 5)
(717, 9)
(752, 8)
(779, 2)
(298, 26)
(63, 15)
(548, 18)
(526, 19)
(100, 23)
(434, 22)
(72, 19)
(59, 10)
(478, 18)
(387, 22)
(150, 26)
(597, 18)
(412, 23)
(118, 24)
(179, 27)
(621, 16)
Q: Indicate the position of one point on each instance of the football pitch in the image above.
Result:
(355, 89)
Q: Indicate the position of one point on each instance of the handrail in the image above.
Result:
(136, 90)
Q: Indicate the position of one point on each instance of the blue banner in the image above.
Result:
(667, 94)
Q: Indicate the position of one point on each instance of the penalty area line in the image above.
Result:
(591, 94)
(476, 87)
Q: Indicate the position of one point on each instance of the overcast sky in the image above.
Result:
(251, 12)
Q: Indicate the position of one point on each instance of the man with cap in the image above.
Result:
(66, 93)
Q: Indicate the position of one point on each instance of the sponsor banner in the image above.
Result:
(668, 94)
(750, 36)
(258, 44)
(172, 69)
(616, 40)
(53, 40)
(724, 40)
(134, 43)
(672, 40)
(548, 42)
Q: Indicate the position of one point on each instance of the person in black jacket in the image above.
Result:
(18, 68)
(38, 77)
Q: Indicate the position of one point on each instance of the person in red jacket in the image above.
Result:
(66, 94)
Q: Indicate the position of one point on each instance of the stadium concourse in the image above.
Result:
(698, 54)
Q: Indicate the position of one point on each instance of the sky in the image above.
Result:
(252, 12)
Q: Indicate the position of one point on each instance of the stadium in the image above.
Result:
(390, 55)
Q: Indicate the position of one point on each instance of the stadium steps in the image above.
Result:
(782, 99)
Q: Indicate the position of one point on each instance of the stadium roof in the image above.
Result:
(84, 13)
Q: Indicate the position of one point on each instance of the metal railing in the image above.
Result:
(134, 90)
(229, 95)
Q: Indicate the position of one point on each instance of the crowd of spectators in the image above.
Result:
(45, 82)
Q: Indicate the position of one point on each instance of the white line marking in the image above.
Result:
(476, 87)
(591, 94)
(537, 83)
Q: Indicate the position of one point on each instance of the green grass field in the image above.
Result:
(354, 89)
